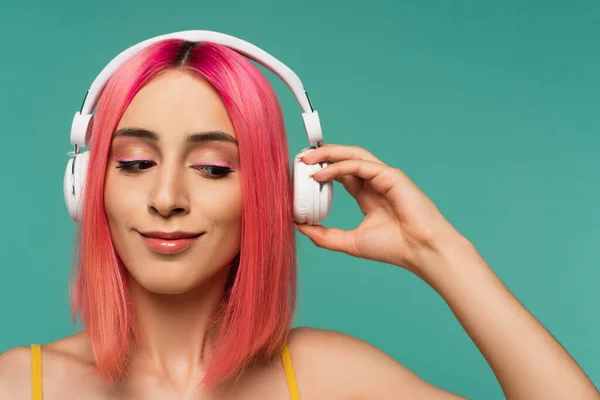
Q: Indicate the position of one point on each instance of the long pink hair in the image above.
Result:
(259, 302)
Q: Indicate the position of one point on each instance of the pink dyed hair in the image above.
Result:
(259, 303)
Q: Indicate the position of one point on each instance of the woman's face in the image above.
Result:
(173, 190)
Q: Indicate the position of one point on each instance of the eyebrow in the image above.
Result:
(198, 137)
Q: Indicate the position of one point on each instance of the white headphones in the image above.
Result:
(312, 199)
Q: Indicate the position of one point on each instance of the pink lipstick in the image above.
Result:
(169, 242)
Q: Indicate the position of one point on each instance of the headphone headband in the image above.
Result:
(81, 122)
(312, 199)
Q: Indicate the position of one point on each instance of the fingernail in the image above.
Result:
(305, 152)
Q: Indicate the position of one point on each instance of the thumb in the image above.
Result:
(329, 238)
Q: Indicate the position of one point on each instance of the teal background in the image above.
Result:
(491, 107)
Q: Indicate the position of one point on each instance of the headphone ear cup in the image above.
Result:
(311, 203)
(68, 188)
(325, 197)
(74, 184)
(303, 193)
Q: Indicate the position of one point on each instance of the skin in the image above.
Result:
(175, 294)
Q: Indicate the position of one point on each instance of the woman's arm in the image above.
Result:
(528, 362)
(403, 227)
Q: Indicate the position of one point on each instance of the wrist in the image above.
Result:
(446, 257)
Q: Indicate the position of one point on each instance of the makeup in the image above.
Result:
(169, 243)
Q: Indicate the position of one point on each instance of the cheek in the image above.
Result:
(120, 199)
(222, 205)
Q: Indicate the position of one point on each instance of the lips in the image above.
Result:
(169, 235)
(169, 242)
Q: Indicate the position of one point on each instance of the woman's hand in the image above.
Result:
(401, 223)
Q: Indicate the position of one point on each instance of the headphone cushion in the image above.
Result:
(304, 195)
(67, 188)
(75, 175)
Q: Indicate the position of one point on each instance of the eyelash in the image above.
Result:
(133, 167)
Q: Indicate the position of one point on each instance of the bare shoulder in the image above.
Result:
(344, 366)
(15, 373)
(60, 359)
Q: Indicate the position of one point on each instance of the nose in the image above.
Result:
(169, 196)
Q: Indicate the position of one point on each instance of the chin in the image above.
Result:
(165, 284)
(174, 289)
(175, 278)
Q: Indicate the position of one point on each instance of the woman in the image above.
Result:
(185, 280)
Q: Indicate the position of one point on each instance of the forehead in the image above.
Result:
(177, 102)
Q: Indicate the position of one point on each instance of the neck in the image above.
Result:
(176, 331)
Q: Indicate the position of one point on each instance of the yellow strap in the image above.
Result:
(36, 372)
(289, 373)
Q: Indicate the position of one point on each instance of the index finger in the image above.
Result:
(335, 153)
(381, 177)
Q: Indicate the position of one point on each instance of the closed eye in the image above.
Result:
(208, 170)
(135, 165)
(213, 171)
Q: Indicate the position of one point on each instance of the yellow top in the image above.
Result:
(288, 368)
(36, 372)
